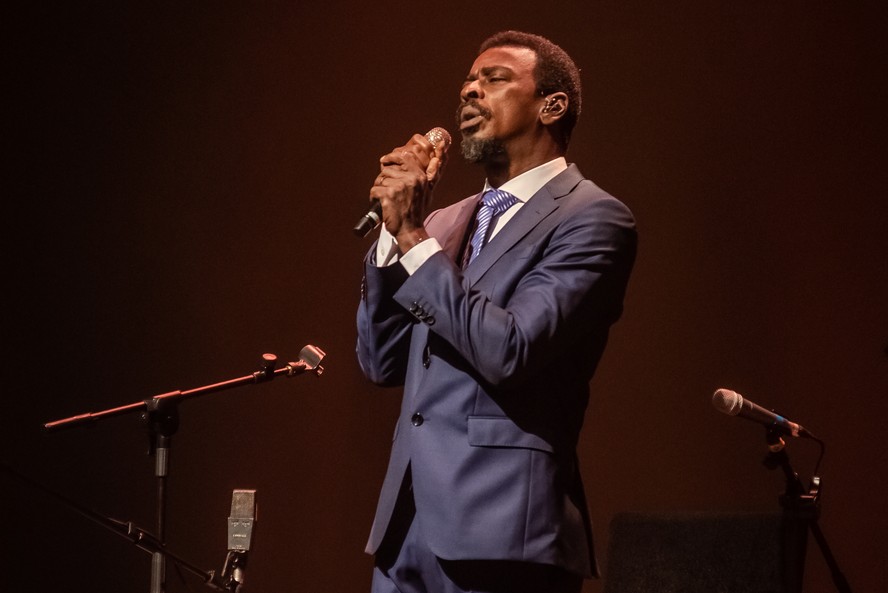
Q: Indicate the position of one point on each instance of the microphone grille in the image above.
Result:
(243, 503)
(727, 401)
(438, 136)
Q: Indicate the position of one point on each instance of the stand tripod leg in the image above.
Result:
(838, 578)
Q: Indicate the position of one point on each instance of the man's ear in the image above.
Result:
(554, 108)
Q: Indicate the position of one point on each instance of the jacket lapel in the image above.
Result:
(531, 214)
(453, 237)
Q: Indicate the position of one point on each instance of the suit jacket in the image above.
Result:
(495, 362)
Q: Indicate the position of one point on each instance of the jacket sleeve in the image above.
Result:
(573, 286)
(383, 325)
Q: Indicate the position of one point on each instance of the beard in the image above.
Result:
(478, 150)
(481, 150)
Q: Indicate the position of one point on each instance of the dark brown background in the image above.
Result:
(183, 183)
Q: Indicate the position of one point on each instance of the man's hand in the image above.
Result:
(404, 188)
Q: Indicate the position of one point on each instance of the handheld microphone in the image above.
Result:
(371, 220)
(240, 532)
(733, 404)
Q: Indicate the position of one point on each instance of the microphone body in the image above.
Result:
(371, 220)
(240, 532)
(733, 404)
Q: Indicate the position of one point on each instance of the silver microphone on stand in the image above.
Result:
(240, 532)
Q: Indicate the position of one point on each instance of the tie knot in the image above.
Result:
(498, 200)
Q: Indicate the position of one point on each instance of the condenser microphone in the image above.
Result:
(240, 533)
(733, 404)
(371, 220)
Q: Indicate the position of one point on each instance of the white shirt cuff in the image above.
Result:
(419, 253)
(386, 249)
(387, 252)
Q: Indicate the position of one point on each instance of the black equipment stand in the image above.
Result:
(801, 511)
(161, 414)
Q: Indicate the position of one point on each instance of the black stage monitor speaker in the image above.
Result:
(694, 553)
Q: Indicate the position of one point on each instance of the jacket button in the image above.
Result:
(417, 419)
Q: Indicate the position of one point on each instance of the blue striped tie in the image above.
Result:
(493, 203)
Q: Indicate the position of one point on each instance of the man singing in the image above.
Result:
(493, 314)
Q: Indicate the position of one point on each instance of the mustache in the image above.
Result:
(475, 105)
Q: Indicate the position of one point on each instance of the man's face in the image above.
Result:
(499, 105)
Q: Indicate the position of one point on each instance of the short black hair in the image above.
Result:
(555, 71)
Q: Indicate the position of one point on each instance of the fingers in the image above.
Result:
(408, 173)
(418, 150)
(397, 181)
(406, 176)
(434, 167)
(438, 159)
(423, 143)
(392, 182)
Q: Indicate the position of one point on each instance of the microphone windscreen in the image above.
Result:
(727, 401)
(438, 136)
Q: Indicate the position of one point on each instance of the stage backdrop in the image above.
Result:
(182, 182)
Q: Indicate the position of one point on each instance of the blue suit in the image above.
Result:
(495, 361)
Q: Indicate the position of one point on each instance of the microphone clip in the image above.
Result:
(233, 570)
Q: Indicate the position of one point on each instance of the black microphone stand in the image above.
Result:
(161, 415)
(801, 511)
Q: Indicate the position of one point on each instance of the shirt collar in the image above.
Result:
(524, 186)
